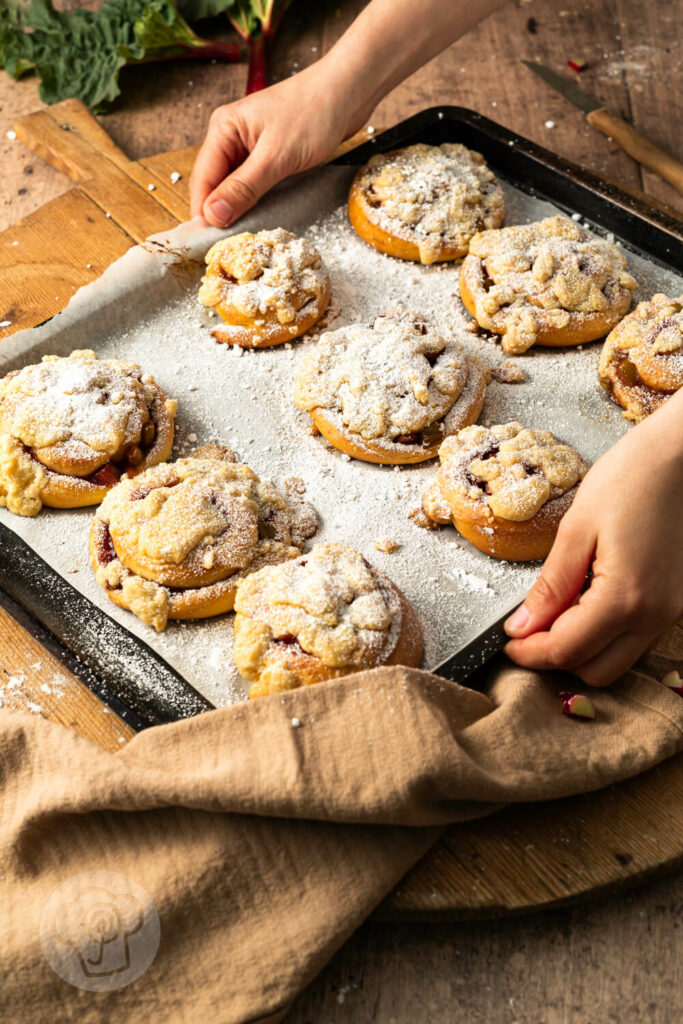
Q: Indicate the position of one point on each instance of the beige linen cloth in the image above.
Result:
(263, 844)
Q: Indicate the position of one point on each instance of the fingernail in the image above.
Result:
(517, 620)
(221, 211)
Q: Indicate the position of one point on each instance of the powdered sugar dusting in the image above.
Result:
(244, 400)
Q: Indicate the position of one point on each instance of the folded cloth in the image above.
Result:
(259, 836)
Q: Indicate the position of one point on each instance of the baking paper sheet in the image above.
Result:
(144, 308)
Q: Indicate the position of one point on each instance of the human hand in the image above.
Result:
(626, 524)
(261, 139)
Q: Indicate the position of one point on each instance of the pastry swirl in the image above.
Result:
(320, 617)
(424, 203)
(548, 283)
(70, 427)
(505, 488)
(390, 391)
(641, 364)
(174, 542)
(268, 287)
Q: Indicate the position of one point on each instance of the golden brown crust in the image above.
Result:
(505, 489)
(268, 287)
(456, 191)
(390, 392)
(550, 283)
(79, 456)
(175, 542)
(641, 364)
(468, 411)
(323, 616)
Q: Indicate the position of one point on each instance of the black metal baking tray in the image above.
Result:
(123, 670)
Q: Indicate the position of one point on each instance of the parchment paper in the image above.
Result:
(144, 308)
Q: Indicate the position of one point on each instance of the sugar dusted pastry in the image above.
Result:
(174, 542)
(322, 616)
(268, 288)
(548, 283)
(71, 427)
(642, 360)
(424, 203)
(504, 488)
(390, 391)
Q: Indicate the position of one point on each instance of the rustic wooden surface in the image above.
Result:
(617, 960)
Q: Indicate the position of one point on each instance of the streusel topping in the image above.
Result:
(512, 469)
(192, 523)
(432, 195)
(271, 272)
(77, 401)
(652, 335)
(396, 376)
(553, 267)
(332, 602)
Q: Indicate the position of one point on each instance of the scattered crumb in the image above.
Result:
(508, 373)
(151, 187)
(296, 722)
(11, 135)
(313, 430)
(387, 545)
(294, 485)
(550, 124)
(420, 518)
(175, 177)
(5, 323)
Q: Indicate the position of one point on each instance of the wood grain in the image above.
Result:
(518, 859)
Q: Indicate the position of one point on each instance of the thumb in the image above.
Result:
(559, 584)
(242, 189)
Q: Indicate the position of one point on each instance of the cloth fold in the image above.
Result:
(263, 834)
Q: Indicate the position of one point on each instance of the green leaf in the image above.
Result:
(80, 54)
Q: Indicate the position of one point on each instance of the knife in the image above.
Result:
(610, 124)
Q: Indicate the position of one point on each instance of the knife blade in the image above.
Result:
(624, 134)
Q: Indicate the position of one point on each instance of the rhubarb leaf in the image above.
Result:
(80, 53)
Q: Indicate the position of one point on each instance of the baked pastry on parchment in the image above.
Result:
(70, 427)
(390, 391)
(641, 364)
(505, 488)
(424, 203)
(548, 283)
(268, 287)
(322, 616)
(175, 542)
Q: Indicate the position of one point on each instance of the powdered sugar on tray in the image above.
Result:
(243, 399)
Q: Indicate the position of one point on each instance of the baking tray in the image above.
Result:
(125, 664)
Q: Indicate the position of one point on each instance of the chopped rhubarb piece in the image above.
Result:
(578, 64)
(106, 476)
(578, 706)
(674, 682)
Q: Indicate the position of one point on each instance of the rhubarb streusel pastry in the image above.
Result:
(424, 203)
(548, 283)
(175, 542)
(320, 617)
(642, 360)
(505, 488)
(70, 427)
(268, 288)
(390, 391)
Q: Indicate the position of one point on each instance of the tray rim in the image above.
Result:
(442, 117)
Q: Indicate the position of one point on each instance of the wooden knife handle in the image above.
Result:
(637, 146)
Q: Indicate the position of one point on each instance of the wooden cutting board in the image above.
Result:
(525, 857)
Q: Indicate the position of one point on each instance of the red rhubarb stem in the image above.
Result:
(228, 52)
(257, 74)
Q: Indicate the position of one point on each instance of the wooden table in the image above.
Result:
(614, 960)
